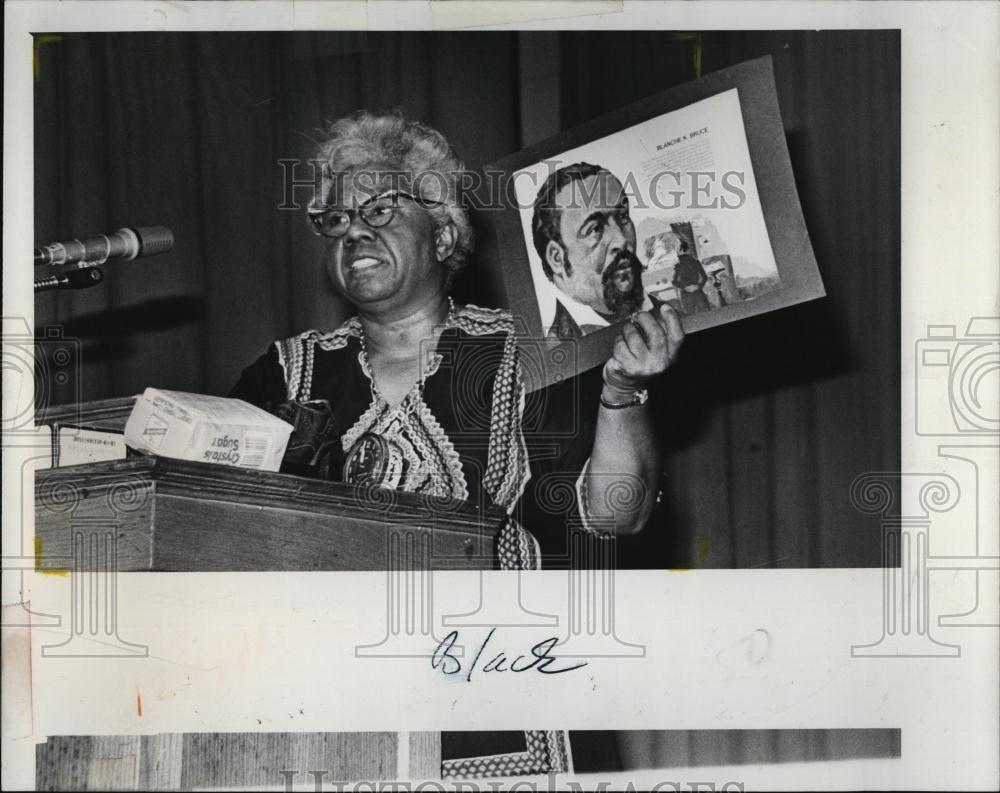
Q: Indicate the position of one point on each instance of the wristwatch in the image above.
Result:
(638, 398)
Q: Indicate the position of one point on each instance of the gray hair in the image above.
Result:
(420, 154)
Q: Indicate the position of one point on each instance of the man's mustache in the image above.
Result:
(624, 260)
(621, 303)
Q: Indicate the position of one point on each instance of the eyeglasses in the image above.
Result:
(376, 212)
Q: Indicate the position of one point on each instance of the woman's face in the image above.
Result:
(395, 266)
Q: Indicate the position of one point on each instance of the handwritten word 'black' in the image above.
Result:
(541, 659)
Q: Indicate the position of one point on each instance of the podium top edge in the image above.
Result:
(214, 482)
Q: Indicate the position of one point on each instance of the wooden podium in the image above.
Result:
(173, 515)
(148, 513)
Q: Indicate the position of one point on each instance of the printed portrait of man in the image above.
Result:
(585, 241)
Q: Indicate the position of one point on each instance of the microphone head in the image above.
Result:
(154, 240)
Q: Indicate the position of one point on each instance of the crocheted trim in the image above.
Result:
(370, 418)
(286, 366)
(507, 470)
(478, 321)
(546, 752)
(517, 548)
(421, 438)
(442, 448)
(297, 353)
(334, 340)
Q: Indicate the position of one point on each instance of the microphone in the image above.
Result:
(128, 243)
(73, 279)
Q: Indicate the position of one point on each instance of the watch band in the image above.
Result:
(638, 398)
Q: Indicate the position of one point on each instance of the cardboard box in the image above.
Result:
(207, 430)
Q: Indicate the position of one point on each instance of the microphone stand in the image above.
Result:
(84, 277)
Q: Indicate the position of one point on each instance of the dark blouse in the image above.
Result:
(468, 431)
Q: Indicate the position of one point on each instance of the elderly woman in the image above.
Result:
(437, 386)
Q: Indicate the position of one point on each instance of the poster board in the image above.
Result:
(703, 165)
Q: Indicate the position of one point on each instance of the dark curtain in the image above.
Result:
(766, 421)
(187, 130)
(642, 749)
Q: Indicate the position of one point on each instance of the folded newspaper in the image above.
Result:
(207, 430)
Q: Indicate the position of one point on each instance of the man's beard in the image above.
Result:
(622, 282)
